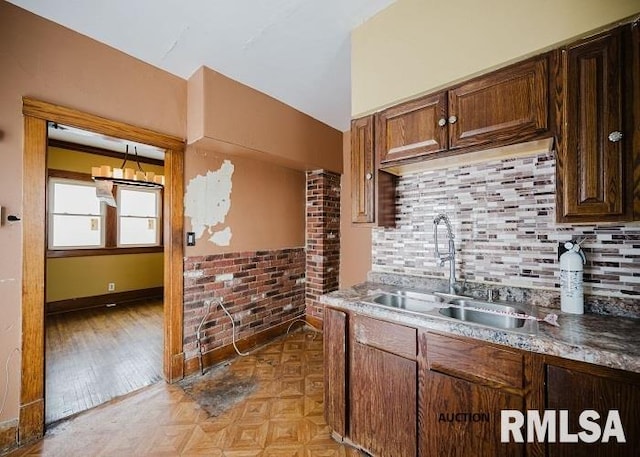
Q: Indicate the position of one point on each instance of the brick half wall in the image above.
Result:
(260, 289)
(323, 238)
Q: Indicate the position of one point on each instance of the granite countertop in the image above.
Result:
(602, 340)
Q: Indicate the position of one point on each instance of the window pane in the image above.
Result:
(138, 203)
(75, 199)
(74, 231)
(136, 230)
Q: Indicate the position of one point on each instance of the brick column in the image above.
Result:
(323, 237)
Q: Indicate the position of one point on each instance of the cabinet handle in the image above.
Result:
(442, 122)
(615, 136)
(368, 176)
(452, 119)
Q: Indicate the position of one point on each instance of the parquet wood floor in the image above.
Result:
(95, 355)
(283, 417)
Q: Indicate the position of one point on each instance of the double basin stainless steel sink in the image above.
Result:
(501, 315)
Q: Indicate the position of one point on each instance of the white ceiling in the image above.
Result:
(79, 136)
(297, 51)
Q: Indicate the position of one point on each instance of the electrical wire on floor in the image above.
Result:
(6, 386)
(233, 331)
(219, 301)
(199, 334)
(307, 324)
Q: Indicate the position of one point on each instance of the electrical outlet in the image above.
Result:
(111, 286)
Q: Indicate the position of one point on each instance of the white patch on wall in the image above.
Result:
(222, 237)
(207, 202)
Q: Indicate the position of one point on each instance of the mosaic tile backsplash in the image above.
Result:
(503, 217)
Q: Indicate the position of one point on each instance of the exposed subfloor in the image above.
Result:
(276, 412)
(95, 355)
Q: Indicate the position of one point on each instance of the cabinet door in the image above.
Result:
(632, 114)
(412, 129)
(335, 354)
(591, 166)
(575, 391)
(444, 428)
(362, 171)
(506, 106)
(383, 402)
(460, 375)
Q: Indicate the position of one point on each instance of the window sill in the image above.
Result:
(56, 253)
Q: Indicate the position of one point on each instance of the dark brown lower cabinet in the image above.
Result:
(397, 391)
(335, 378)
(464, 385)
(581, 387)
(383, 402)
(461, 418)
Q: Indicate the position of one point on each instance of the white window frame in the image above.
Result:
(51, 203)
(158, 217)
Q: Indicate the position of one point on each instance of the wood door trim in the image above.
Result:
(31, 422)
(74, 118)
(36, 114)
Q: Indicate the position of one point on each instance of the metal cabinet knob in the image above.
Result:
(442, 122)
(368, 176)
(615, 136)
(452, 119)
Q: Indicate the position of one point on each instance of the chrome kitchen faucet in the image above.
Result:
(451, 255)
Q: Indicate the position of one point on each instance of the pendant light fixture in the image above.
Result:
(128, 176)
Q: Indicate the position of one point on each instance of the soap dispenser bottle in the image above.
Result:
(571, 286)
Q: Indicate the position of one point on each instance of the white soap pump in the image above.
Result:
(571, 288)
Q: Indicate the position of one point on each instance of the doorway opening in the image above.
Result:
(37, 114)
(104, 276)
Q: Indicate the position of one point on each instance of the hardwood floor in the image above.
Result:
(282, 416)
(95, 355)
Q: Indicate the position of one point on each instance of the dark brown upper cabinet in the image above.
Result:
(362, 171)
(372, 190)
(506, 106)
(412, 129)
(595, 166)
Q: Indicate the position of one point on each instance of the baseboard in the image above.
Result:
(223, 353)
(8, 435)
(315, 321)
(31, 424)
(97, 301)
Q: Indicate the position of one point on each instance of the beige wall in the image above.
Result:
(41, 59)
(267, 203)
(81, 162)
(227, 116)
(74, 277)
(355, 239)
(415, 46)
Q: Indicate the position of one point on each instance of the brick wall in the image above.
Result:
(260, 289)
(323, 237)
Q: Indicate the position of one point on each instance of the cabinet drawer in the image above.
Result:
(387, 336)
(475, 361)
